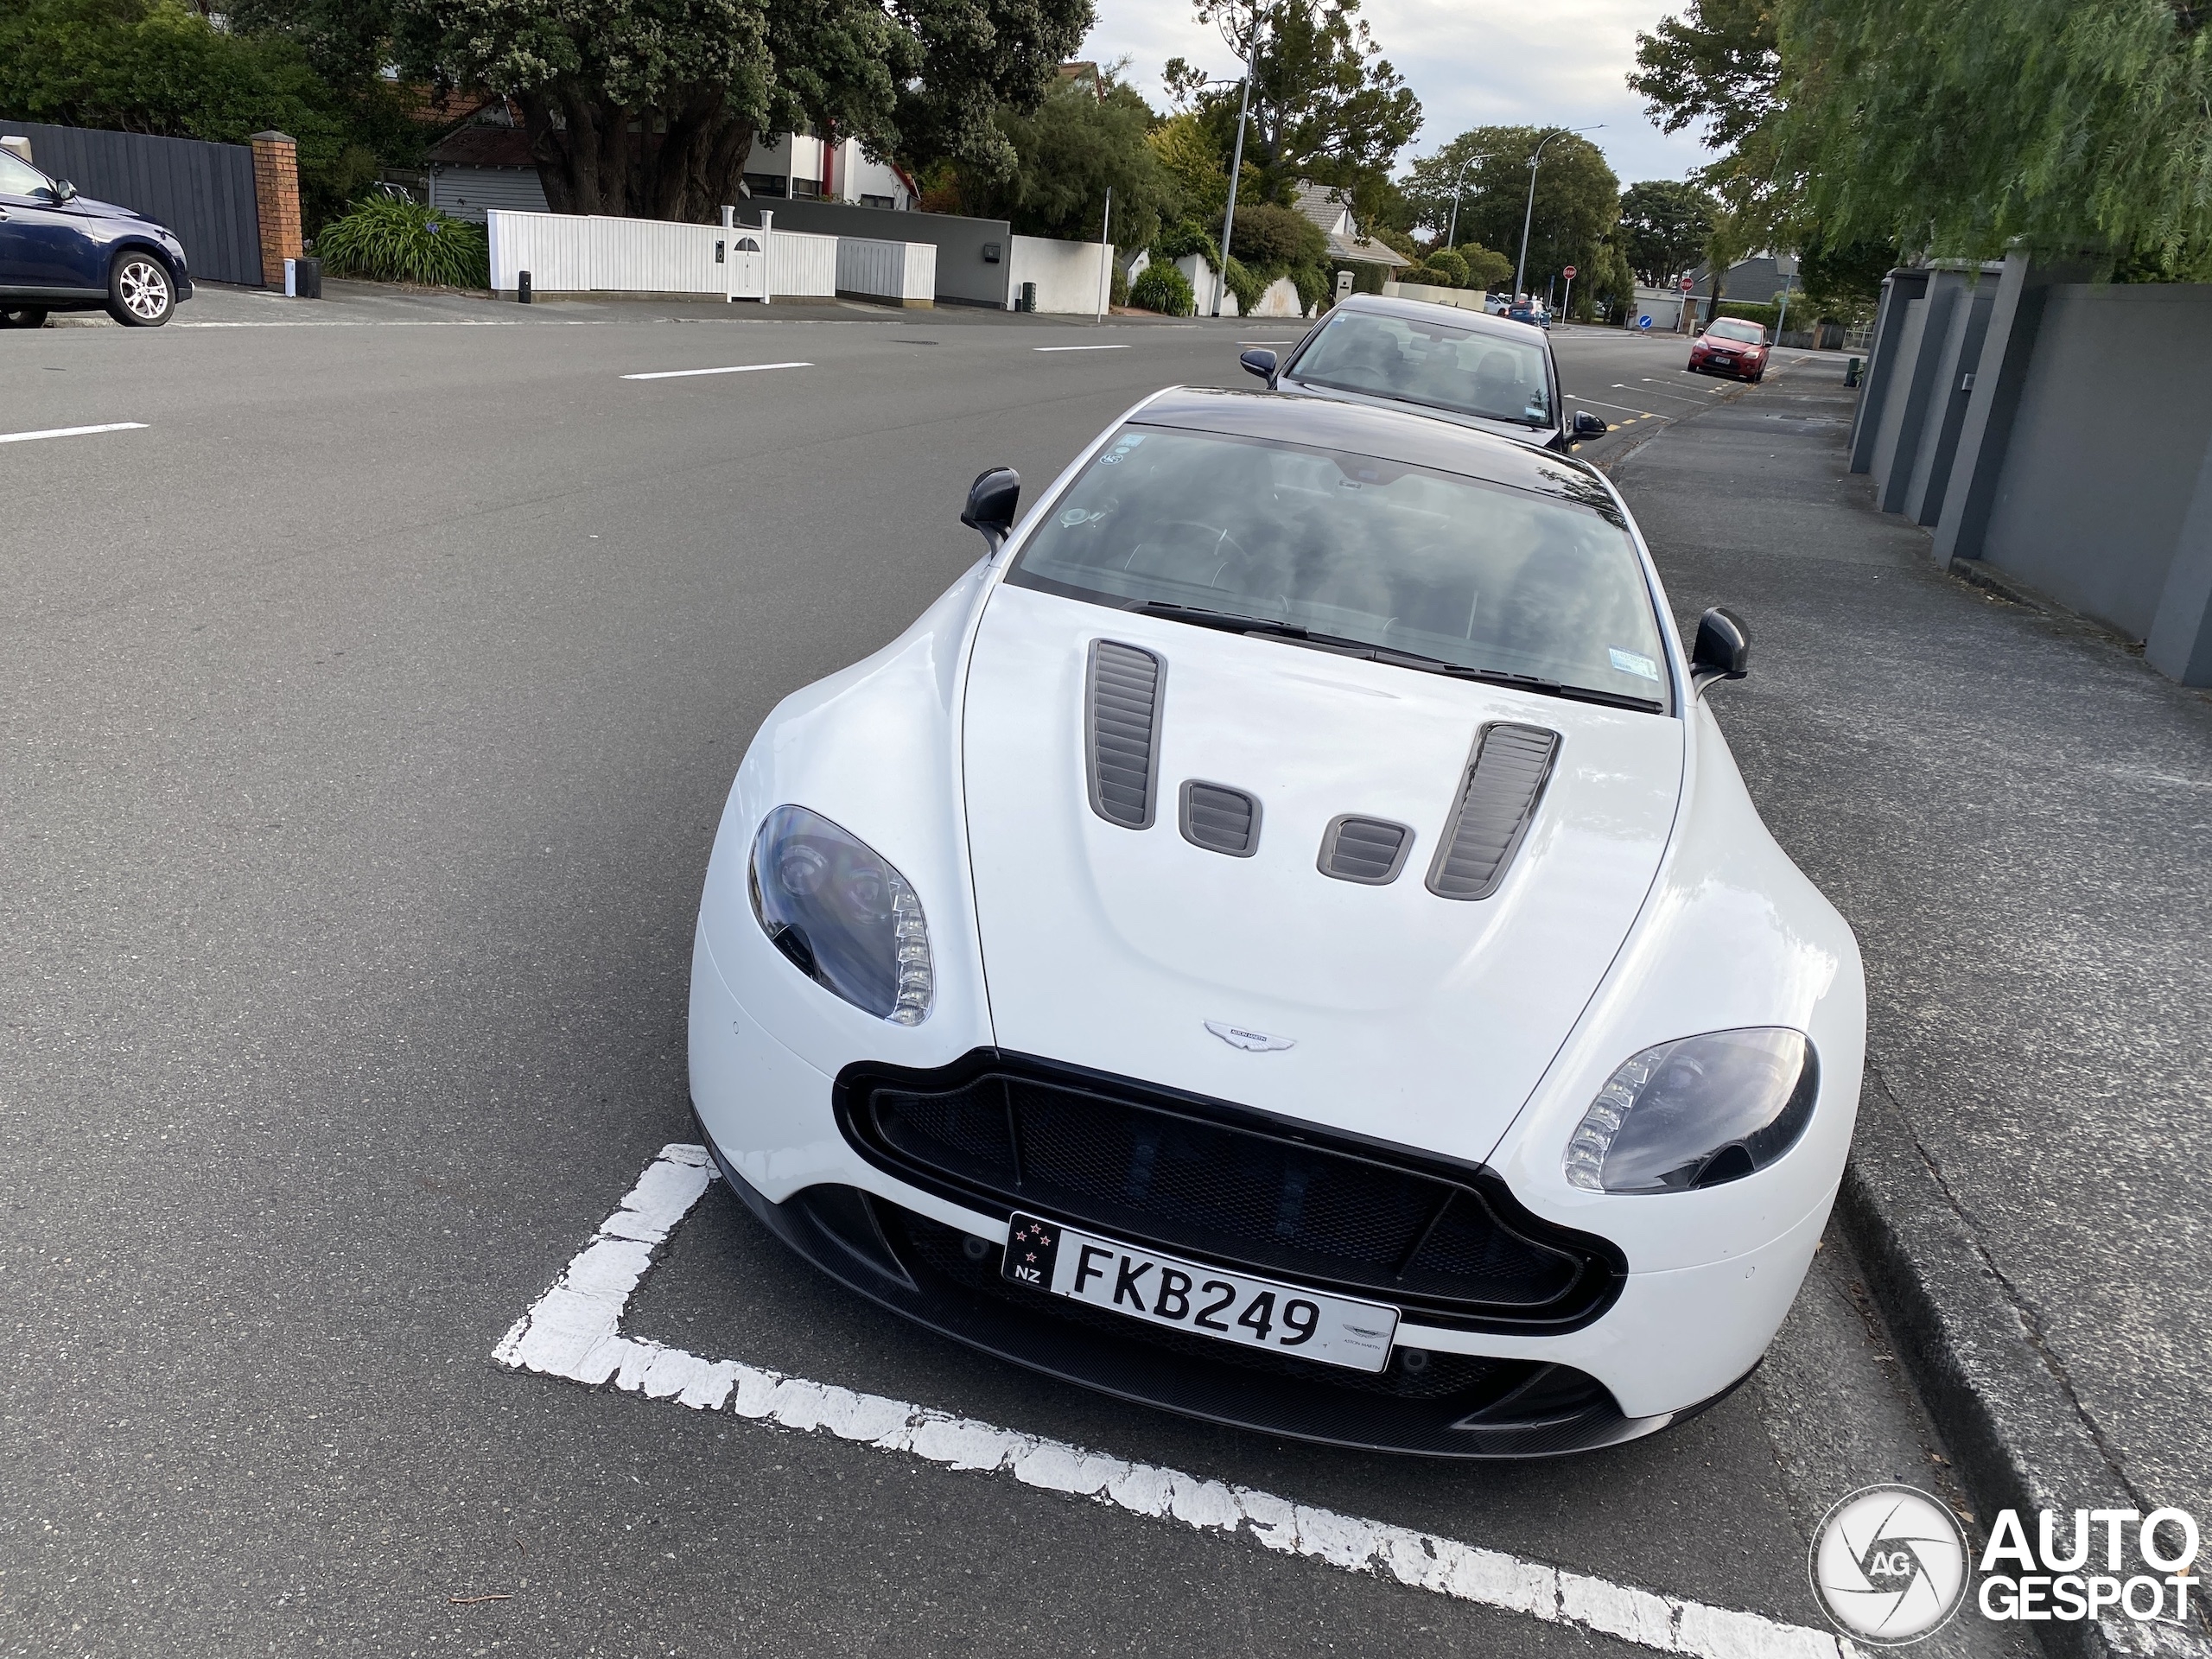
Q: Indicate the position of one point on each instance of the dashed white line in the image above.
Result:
(70, 432)
(575, 1330)
(1079, 348)
(1619, 385)
(735, 368)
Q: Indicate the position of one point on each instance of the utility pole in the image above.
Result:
(1521, 270)
(1451, 235)
(1236, 166)
(1106, 257)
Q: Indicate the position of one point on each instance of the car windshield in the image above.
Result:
(1432, 363)
(18, 176)
(1747, 334)
(1374, 558)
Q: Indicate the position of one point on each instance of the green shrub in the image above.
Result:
(1485, 270)
(1247, 284)
(1272, 238)
(1454, 267)
(1119, 293)
(1185, 237)
(1315, 284)
(390, 240)
(1159, 287)
(1428, 276)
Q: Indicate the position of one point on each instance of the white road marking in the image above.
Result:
(1619, 385)
(72, 431)
(1079, 348)
(1602, 404)
(738, 368)
(575, 1330)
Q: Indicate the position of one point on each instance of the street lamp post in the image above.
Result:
(1236, 166)
(1452, 235)
(1521, 272)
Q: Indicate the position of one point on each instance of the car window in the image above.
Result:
(1433, 364)
(18, 176)
(1477, 575)
(1749, 333)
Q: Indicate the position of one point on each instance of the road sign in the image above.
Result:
(1686, 285)
(1568, 273)
(1645, 322)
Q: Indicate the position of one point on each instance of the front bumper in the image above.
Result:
(1667, 1344)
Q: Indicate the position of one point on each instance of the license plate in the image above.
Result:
(1142, 1284)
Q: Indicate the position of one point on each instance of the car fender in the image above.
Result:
(1732, 935)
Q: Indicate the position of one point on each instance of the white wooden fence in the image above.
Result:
(570, 253)
(905, 271)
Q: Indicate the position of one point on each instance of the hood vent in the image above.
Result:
(1220, 819)
(1510, 767)
(1371, 851)
(1120, 716)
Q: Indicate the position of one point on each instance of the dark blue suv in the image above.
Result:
(61, 251)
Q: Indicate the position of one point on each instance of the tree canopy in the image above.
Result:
(159, 67)
(1087, 137)
(1664, 224)
(1578, 197)
(1326, 103)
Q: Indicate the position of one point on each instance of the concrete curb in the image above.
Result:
(2017, 1435)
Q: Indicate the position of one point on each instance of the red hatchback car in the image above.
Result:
(1729, 346)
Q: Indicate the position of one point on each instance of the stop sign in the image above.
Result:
(1687, 284)
(1569, 273)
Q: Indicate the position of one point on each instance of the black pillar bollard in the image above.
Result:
(522, 289)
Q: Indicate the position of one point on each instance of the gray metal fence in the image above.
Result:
(203, 191)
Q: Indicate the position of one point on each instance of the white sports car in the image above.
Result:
(1284, 940)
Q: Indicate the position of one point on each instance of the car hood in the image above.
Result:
(1399, 1015)
(1526, 434)
(89, 208)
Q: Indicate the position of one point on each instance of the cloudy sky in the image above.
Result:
(1471, 62)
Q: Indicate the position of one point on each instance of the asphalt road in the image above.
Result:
(369, 708)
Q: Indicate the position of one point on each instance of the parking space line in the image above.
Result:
(1079, 348)
(735, 368)
(70, 432)
(574, 1332)
(1619, 385)
(1572, 398)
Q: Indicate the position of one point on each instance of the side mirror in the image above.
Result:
(1261, 363)
(1723, 650)
(993, 500)
(63, 192)
(1588, 425)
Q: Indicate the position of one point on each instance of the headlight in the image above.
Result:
(1696, 1112)
(847, 919)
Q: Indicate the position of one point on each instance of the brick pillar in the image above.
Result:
(277, 195)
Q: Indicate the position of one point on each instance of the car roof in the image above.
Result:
(1474, 322)
(1385, 434)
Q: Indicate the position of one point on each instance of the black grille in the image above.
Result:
(1367, 850)
(1219, 1182)
(1122, 708)
(1220, 819)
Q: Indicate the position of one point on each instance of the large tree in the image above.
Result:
(647, 107)
(1088, 136)
(1326, 103)
(1663, 226)
(1964, 127)
(1486, 171)
(1717, 67)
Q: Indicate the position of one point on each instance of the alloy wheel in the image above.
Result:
(144, 288)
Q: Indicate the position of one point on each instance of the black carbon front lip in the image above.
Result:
(1526, 1410)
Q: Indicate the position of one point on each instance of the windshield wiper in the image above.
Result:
(1340, 646)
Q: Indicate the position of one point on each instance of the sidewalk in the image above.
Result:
(2016, 816)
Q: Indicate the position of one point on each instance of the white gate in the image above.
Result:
(744, 250)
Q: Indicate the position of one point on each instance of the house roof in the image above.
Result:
(1326, 206)
(477, 146)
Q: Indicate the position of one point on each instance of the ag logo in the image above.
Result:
(1890, 1565)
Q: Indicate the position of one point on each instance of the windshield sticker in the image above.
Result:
(1629, 662)
(1128, 441)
